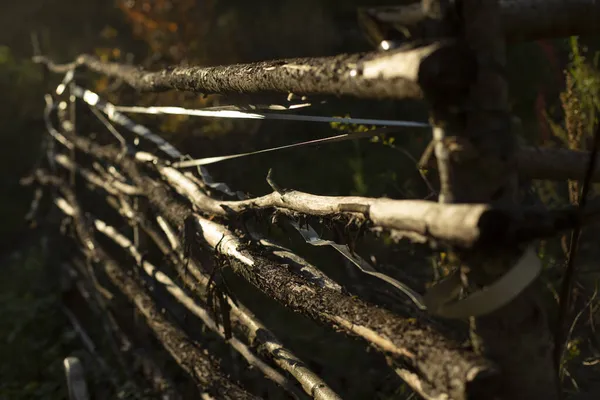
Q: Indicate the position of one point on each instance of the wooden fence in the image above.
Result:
(176, 228)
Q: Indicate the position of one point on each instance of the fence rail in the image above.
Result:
(190, 220)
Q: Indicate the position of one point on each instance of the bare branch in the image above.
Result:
(423, 353)
(188, 356)
(464, 225)
(252, 327)
(378, 327)
(113, 186)
(453, 223)
(398, 74)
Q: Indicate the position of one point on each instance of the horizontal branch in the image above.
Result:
(457, 224)
(117, 188)
(398, 74)
(522, 20)
(463, 225)
(190, 304)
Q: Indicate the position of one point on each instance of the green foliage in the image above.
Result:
(586, 76)
(345, 127)
(581, 100)
(574, 127)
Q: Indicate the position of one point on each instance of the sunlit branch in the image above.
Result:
(398, 74)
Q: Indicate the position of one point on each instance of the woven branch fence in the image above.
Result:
(146, 228)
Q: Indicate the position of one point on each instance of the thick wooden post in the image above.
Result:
(477, 164)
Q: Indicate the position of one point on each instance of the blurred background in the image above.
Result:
(546, 78)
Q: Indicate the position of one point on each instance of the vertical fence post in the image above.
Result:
(476, 161)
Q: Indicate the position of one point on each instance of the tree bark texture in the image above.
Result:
(517, 336)
(462, 225)
(434, 365)
(409, 73)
